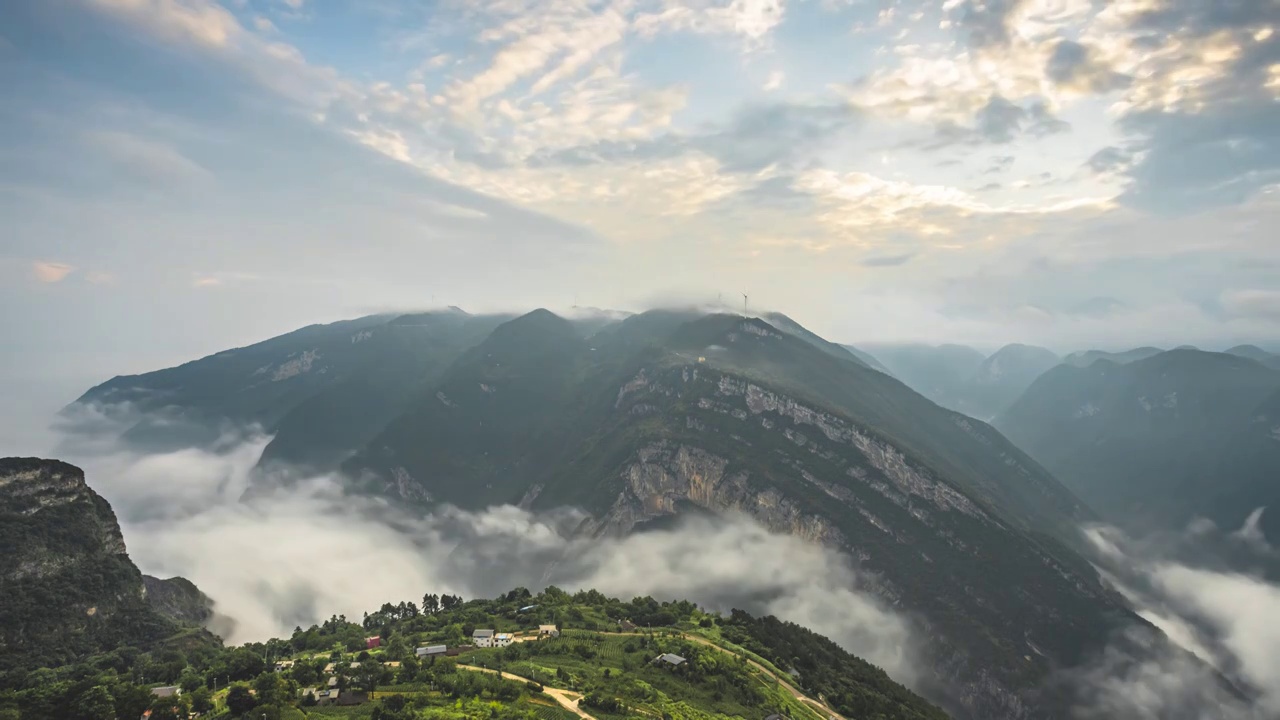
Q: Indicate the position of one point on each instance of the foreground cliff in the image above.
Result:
(68, 586)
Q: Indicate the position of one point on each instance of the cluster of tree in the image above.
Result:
(116, 683)
(853, 686)
(102, 696)
(604, 703)
(432, 603)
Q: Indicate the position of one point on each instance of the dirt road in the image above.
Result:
(816, 705)
(566, 698)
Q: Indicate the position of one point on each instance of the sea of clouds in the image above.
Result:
(293, 553)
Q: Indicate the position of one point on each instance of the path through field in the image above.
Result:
(566, 698)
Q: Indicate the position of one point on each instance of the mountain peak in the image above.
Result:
(540, 324)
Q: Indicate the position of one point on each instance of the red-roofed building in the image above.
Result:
(373, 642)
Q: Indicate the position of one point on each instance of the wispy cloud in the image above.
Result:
(51, 272)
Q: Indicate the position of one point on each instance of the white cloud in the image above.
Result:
(50, 272)
(203, 22)
(1219, 613)
(1253, 303)
(753, 20)
(774, 81)
(182, 513)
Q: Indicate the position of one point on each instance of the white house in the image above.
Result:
(502, 639)
(550, 630)
(482, 638)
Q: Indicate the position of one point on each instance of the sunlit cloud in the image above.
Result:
(51, 272)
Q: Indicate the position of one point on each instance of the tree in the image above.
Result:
(240, 700)
(96, 703)
(202, 700)
(430, 603)
(131, 700)
(269, 688)
(190, 681)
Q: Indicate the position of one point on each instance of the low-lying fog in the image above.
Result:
(294, 556)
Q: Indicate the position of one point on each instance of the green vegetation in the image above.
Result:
(607, 673)
(823, 667)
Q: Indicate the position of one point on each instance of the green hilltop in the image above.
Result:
(603, 661)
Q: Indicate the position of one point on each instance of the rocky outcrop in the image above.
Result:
(663, 475)
(31, 486)
(67, 587)
(179, 599)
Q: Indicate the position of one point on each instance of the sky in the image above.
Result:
(182, 176)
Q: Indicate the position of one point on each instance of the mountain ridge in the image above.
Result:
(1123, 436)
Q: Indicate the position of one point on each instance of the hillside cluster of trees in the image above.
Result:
(613, 672)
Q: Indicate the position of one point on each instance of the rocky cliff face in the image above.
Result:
(68, 586)
(179, 599)
(663, 475)
(39, 490)
(729, 444)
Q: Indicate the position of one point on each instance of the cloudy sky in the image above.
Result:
(180, 176)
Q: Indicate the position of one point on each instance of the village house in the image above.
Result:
(670, 660)
(626, 626)
(502, 639)
(284, 665)
(372, 642)
(548, 630)
(482, 638)
(430, 651)
(328, 669)
(323, 696)
(333, 681)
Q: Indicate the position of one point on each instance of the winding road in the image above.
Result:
(566, 698)
(569, 699)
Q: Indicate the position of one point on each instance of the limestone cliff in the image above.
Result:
(68, 587)
(725, 443)
(663, 475)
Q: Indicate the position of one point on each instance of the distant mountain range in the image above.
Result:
(961, 378)
(640, 418)
(1154, 442)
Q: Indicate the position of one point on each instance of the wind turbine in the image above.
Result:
(744, 302)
